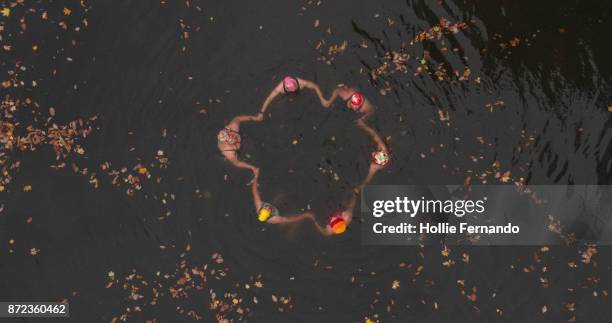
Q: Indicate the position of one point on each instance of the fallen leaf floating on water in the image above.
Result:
(395, 284)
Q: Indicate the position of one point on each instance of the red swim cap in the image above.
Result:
(356, 100)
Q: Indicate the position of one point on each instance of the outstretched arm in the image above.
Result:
(313, 86)
(291, 218)
(300, 217)
(331, 99)
(353, 201)
(239, 119)
(273, 94)
(380, 144)
(242, 164)
(326, 231)
(371, 172)
(366, 115)
(256, 196)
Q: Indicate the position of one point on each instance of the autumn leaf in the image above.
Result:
(6, 12)
(67, 11)
(505, 177)
(395, 284)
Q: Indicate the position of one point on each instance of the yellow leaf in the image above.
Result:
(506, 177)
(396, 284)
(27, 188)
(6, 12)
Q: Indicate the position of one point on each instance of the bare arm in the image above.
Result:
(347, 215)
(353, 201)
(379, 142)
(326, 231)
(291, 218)
(256, 196)
(366, 115)
(313, 86)
(273, 94)
(371, 172)
(331, 99)
(239, 119)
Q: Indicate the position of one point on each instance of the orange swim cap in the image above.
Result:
(337, 224)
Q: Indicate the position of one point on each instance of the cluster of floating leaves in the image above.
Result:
(25, 125)
(409, 58)
(508, 45)
(188, 281)
(329, 52)
(132, 177)
(63, 139)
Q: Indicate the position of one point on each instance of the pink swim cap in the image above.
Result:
(290, 84)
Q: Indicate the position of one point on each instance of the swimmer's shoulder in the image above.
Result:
(279, 88)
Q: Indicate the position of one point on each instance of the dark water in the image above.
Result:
(135, 72)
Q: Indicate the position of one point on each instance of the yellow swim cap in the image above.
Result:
(264, 214)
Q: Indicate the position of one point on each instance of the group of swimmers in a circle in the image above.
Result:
(228, 141)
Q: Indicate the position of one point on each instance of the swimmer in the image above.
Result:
(354, 101)
(228, 142)
(339, 219)
(358, 103)
(266, 212)
(380, 159)
(291, 85)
